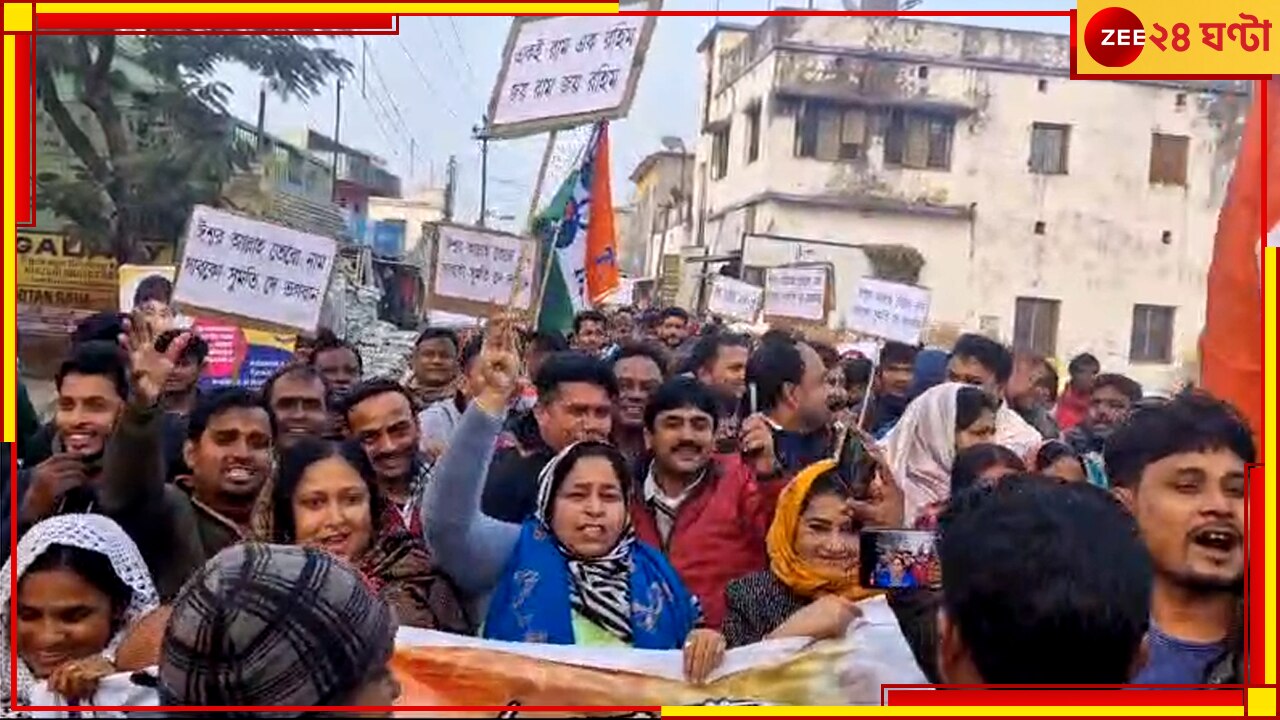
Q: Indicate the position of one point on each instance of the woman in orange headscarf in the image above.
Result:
(811, 585)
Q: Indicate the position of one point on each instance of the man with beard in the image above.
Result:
(891, 390)
(228, 447)
(1110, 404)
(639, 370)
(576, 393)
(673, 327)
(708, 513)
(791, 392)
(1180, 469)
(719, 361)
(381, 418)
(92, 388)
(984, 363)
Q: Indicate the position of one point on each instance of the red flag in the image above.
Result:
(1231, 352)
(602, 243)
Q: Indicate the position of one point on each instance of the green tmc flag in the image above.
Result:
(556, 313)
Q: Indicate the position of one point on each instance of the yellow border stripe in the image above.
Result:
(10, 245)
(1269, 451)
(447, 8)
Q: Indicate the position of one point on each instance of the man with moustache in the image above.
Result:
(1181, 468)
(381, 418)
(708, 513)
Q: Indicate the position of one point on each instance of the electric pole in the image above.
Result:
(481, 133)
(450, 187)
(262, 116)
(337, 128)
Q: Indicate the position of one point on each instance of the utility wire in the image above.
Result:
(426, 80)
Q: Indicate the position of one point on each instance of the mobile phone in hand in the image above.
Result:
(895, 559)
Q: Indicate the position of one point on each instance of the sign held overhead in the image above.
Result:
(735, 299)
(565, 71)
(474, 270)
(889, 310)
(244, 268)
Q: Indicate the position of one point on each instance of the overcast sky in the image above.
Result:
(432, 83)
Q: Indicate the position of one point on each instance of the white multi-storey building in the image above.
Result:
(1058, 215)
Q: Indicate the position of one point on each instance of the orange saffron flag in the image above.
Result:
(1231, 352)
(602, 240)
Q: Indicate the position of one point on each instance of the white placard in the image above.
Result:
(568, 67)
(888, 310)
(796, 293)
(735, 299)
(253, 269)
(480, 267)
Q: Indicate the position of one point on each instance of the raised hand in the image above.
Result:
(149, 368)
(885, 505)
(498, 367)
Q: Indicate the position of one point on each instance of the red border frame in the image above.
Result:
(382, 24)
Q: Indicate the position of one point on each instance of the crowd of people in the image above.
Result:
(649, 482)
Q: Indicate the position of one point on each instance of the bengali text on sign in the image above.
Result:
(1175, 38)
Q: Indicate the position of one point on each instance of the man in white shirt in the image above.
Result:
(982, 362)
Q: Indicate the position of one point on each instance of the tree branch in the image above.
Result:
(79, 143)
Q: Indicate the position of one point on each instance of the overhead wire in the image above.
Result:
(426, 80)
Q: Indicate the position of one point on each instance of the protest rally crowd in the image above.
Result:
(655, 481)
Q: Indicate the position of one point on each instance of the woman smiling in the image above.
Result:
(81, 585)
(323, 498)
(812, 582)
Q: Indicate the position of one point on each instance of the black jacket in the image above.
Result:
(511, 490)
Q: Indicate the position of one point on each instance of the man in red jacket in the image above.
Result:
(708, 513)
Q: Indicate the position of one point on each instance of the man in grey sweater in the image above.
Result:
(440, 419)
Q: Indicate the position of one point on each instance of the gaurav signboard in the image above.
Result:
(566, 71)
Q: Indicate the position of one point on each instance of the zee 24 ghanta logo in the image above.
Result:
(1115, 36)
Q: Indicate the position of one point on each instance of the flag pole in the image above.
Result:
(523, 261)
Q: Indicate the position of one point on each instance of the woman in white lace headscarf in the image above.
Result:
(922, 447)
(81, 584)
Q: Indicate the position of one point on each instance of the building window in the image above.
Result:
(1049, 148)
(918, 140)
(1169, 159)
(830, 132)
(753, 133)
(1152, 338)
(720, 152)
(1035, 326)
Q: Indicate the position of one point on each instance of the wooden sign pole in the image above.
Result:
(524, 261)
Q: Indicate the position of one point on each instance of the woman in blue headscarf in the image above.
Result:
(574, 573)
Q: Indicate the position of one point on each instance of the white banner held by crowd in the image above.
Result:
(477, 268)
(888, 310)
(735, 299)
(564, 71)
(234, 265)
(796, 292)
